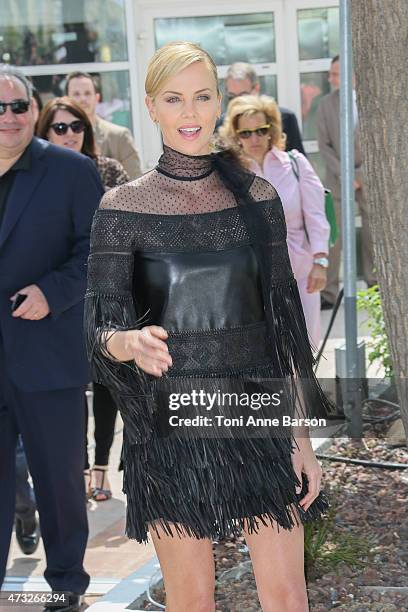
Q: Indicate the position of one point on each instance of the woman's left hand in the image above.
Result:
(304, 460)
(316, 281)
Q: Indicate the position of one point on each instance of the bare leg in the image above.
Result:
(277, 559)
(188, 571)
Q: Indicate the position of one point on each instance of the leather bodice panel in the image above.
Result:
(198, 290)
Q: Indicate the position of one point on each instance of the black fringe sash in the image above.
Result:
(287, 330)
(128, 384)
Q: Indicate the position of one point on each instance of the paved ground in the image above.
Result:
(110, 556)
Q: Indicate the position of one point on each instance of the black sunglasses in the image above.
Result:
(61, 128)
(263, 130)
(18, 107)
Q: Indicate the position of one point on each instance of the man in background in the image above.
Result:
(241, 79)
(328, 135)
(112, 140)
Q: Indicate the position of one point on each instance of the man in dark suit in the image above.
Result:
(241, 79)
(48, 196)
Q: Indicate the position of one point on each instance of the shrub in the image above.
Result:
(370, 301)
(328, 545)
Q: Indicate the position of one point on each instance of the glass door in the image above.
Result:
(227, 30)
(228, 38)
(315, 24)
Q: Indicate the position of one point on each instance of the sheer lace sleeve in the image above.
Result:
(284, 311)
(261, 190)
(113, 199)
(109, 307)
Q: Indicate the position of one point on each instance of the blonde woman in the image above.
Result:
(184, 301)
(253, 127)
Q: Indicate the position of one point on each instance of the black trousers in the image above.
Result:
(25, 498)
(105, 411)
(51, 424)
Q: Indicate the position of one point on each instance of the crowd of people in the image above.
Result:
(57, 163)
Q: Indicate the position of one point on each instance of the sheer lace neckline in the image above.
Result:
(184, 167)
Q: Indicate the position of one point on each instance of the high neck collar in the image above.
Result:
(184, 167)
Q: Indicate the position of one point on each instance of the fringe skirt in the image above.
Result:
(206, 486)
(212, 485)
(211, 488)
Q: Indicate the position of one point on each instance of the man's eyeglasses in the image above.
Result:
(18, 107)
(62, 128)
(262, 130)
(231, 96)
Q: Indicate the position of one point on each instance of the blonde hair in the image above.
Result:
(244, 106)
(170, 60)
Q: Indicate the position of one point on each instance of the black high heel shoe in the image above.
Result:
(100, 494)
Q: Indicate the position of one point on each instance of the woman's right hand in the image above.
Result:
(147, 347)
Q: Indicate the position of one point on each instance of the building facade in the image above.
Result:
(290, 43)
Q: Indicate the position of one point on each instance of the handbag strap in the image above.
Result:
(295, 165)
(328, 201)
(295, 168)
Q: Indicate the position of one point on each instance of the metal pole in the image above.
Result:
(352, 403)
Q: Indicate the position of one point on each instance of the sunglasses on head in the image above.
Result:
(262, 130)
(61, 128)
(18, 107)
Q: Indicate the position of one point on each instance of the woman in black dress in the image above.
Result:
(190, 290)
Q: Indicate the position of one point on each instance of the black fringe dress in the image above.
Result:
(198, 246)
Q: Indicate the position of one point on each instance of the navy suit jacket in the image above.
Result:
(44, 240)
(290, 127)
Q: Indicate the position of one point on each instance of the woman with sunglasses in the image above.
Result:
(63, 122)
(253, 128)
